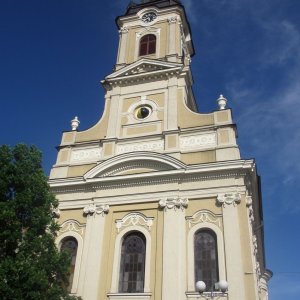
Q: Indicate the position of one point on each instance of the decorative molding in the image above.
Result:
(134, 219)
(145, 146)
(92, 209)
(124, 29)
(233, 198)
(86, 155)
(145, 68)
(146, 30)
(129, 296)
(249, 202)
(172, 20)
(72, 225)
(204, 217)
(198, 141)
(134, 166)
(56, 213)
(173, 203)
(255, 246)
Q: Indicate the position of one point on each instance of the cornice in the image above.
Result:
(211, 171)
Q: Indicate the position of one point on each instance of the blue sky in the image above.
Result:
(53, 53)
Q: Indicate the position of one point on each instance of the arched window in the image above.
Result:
(206, 257)
(70, 245)
(132, 268)
(147, 45)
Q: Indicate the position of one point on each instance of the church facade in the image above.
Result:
(155, 197)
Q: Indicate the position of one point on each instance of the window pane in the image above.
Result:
(70, 245)
(132, 269)
(206, 259)
(152, 46)
(147, 44)
(143, 49)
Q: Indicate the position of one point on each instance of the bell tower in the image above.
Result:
(165, 23)
(155, 197)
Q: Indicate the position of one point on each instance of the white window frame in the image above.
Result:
(117, 259)
(140, 34)
(191, 252)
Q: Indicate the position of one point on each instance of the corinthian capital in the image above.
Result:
(172, 20)
(229, 199)
(124, 29)
(92, 209)
(173, 203)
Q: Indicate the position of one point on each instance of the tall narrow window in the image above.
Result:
(132, 268)
(206, 258)
(147, 44)
(70, 245)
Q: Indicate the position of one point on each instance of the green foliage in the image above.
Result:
(31, 267)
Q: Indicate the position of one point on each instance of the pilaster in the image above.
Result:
(233, 251)
(172, 104)
(94, 247)
(123, 33)
(113, 114)
(174, 251)
(172, 39)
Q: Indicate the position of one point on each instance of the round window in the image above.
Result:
(143, 112)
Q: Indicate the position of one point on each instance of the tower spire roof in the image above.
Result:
(135, 6)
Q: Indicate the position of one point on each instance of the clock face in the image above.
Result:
(148, 17)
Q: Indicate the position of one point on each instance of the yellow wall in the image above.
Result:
(117, 213)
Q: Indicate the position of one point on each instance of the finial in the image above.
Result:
(75, 123)
(222, 102)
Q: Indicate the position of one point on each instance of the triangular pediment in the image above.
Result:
(134, 163)
(145, 66)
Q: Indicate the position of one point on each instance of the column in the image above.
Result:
(232, 241)
(93, 259)
(174, 248)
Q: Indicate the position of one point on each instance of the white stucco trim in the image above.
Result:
(168, 161)
(190, 252)
(79, 239)
(117, 257)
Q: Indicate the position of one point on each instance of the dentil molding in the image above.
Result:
(134, 219)
(173, 203)
(92, 209)
(229, 199)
